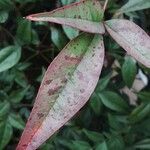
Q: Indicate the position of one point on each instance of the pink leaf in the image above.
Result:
(85, 15)
(67, 85)
(132, 38)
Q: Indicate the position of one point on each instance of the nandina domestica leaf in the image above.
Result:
(132, 38)
(85, 15)
(67, 85)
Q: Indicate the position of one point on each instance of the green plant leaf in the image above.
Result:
(67, 85)
(58, 37)
(102, 146)
(4, 108)
(5, 134)
(113, 101)
(129, 71)
(134, 5)
(144, 96)
(132, 38)
(3, 16)
(9, 56)
(139, 113)
(16, 121)
(85, 15)
(144, 144)
(80, 145)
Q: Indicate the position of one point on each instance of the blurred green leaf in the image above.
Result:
(3, 16)
(134, 5)
(113, 101)
(80, 145)
(129, 71)
(9, 56)
(144, 144)
(144, 96)
(16, 121)
(4, 108)
(5, 134)
(101, 146)
(58, 37)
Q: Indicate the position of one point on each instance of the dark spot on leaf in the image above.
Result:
(82, 90)
(48, 82)
(53, 91)
(40, 115)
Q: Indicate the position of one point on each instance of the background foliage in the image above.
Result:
(111, 120)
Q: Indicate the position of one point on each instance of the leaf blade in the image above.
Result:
(77, 64)
(132, 38)
(84, 15)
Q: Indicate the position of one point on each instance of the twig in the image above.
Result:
(105, 5)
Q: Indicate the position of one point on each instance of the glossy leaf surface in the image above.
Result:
(132, 38)
(84, 15)
(67, 85)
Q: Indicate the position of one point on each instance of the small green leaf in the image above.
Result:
(139, 113)
(16, 121)
(134, 5)
(102, 146)
(80, 145)
(129, 70)
(24, 31)
(144, 144)
(94, 136)
(58, 37)
(5, 134)
(4, 108)
(96, 103)
(9, 56)
(113, 101)
(70, 32)
(144, 96)
(3, 16)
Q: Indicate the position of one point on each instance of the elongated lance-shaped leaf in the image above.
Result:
(85, 15)
(67, 85)
(132, 38)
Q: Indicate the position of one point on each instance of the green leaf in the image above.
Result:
(113, 101)
(17, 96)
(134, 5)
(144, 144)
(66, 2)
(94, 136)
(16, 121)
(80, 145)
(129, 71)
(24, 31)
(5, 134)
(101, 146)
(70, 32)
(96, 104)
(3, 16)
(132, 38)
(139, 113)
(67, 85)
(9, 56)
(4, 108)
(58, 37)
(85, 15)
(144, 96)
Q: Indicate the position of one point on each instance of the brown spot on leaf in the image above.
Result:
(48, 82)
(54, 90)
(40, 115)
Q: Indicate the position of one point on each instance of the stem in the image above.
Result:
(105, 5)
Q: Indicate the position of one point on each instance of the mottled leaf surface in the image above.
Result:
(132, 38)
(84, 15)
(67, 85)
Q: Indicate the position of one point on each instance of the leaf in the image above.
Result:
(67, 85)
(144, 144)
(85, 15)
(102, 146)
(113, 101)
(70, 32)
(9, 56)
(144, 96)
(139, 113)
(80, 145)
(134, 5)
(129, 71)
(5, 134)
(132, 38)
(58, 38)
(4, 108)
(3, 16)
(16, 121)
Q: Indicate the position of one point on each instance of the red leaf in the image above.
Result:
(85, 15)
(67, 85)
(132, 38)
